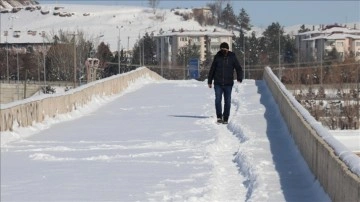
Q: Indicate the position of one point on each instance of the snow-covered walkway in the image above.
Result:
(161, 143)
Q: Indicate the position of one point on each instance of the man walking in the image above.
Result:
(222, 72)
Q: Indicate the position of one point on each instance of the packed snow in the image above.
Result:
(158, 141)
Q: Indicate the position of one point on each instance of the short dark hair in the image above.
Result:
(224, 45)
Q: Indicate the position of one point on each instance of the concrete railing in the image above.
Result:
(34, 110)
(334, 169)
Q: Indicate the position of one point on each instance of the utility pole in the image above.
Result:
(321, 60)
(139, 49)
(74, 35)
(244, 59)
(74, 62)
(44, 50)
(358, 94)
(119, 43)
(280, 70)
(7, 60)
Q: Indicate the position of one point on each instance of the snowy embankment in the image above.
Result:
(160, 143)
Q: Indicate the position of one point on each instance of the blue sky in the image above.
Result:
(263, 13)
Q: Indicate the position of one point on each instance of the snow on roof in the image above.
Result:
(196, 33)
(332, 30)
(333, 36)
(24, 37)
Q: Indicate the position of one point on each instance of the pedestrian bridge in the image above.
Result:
(334, 167)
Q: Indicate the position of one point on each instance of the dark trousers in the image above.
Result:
(219, 92)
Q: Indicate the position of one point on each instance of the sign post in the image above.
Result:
(194, 68)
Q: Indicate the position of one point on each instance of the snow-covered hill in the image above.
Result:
(94, 20)
(98, 20)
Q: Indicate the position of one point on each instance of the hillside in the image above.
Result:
(26, 22)
(10, 4)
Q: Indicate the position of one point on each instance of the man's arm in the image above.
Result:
(239, 70)
(211, 73)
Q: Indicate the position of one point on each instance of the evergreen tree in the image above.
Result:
(146, 48)
(303, 29)
(289, 50)
(149, 49)
(253, 50)
(104, 54)
(243, 20)
(238, 45)
(187, 52)
(271, 35)
(228, 16)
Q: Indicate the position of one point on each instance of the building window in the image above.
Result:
(358, 43)
(340, 44)
(215, 39)
(357, 53)
(194, 39)
(183, 38)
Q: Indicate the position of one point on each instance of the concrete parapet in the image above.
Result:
(34, 110)
(329, 168)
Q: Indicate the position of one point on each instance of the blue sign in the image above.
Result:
(194, 68)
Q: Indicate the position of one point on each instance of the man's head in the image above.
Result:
(224, 47)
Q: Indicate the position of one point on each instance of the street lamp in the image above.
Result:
(119, 40)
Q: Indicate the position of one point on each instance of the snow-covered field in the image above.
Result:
(159, 142)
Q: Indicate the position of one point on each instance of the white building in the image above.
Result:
(169, 43)
(314, 44)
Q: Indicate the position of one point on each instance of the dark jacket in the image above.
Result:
(222, 69)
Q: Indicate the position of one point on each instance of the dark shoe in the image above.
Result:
(219, 120)
(225, 121)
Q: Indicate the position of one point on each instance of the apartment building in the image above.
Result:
(168, 43)
(316, 44)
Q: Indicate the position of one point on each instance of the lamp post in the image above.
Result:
(44, 51)
(17, 65)
(321, 59)
(244, 59)
(119, 43)
(7, 60)
(139, 49)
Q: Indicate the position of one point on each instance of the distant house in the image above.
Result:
(23, 41)
(316, 43)
(168, 43)
(205, 11)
